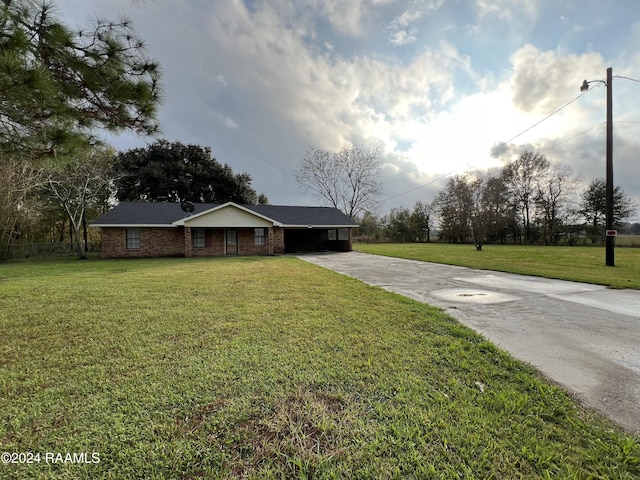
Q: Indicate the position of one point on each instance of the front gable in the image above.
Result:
(228, 215)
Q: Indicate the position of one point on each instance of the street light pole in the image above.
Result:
(609, 238)
(608, 202)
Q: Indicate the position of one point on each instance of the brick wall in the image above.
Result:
(154, 242)
(247, 243)
(214, 244)
(176, 242)
(278, 241)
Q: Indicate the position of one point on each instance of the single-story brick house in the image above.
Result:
(143, 229)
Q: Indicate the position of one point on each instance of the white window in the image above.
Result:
(133, 238)
(343, 234)
(261, 236)
(197, 238)
(332, 234)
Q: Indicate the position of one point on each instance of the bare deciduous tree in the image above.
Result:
(553, 198)
(348, 179)
(521, 178)
(17, 180)
(78, 184)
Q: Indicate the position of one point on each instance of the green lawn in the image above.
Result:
(270, 368)
(580, 264)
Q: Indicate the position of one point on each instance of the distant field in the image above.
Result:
(269, 368)
(581, 264)
(628, 241)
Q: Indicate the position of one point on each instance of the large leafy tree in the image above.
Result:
(472, 207)
(58, 84)
(397, 224)
(369, 228)
(175, 172)
(499, 214)
(421, 221)
(593, 207)
(454, 206)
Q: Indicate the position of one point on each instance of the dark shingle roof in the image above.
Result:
(164, 214)
(296, 215)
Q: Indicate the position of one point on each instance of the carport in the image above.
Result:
(298, 240)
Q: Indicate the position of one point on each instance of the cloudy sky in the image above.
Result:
(437, 85)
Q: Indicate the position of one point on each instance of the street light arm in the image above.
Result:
(585, 84)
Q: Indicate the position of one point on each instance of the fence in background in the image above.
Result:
(628, 241)
(23, 250)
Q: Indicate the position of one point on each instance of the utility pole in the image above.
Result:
(609, 234)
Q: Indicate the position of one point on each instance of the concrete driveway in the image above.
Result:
(584, 337)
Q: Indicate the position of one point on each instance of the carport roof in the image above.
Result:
(166, 214)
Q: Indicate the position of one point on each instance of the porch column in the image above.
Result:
(187, 242)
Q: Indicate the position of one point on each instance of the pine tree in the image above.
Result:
(58, 84)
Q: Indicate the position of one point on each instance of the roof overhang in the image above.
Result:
(320, 226)
(132, 225)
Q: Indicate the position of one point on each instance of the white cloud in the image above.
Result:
(542, 80)
(228, 121)
(508, 9)
(261, 84)
(345, 15)
(403, 37)
(402, 31)
(326, 99)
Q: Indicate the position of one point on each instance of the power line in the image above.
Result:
(626, 78)
(572, 137)
(493, 150)
(426, 184)
(583, 133)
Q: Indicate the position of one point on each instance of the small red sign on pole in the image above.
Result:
(611, 233)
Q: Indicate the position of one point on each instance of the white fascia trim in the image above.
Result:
(182, 221)
(320, 226)
(132, 225)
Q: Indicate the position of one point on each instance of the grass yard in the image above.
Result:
(270, 368)
(580, 264)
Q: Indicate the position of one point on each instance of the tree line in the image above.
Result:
(64, 195)
(529, 201)
(58, 87)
